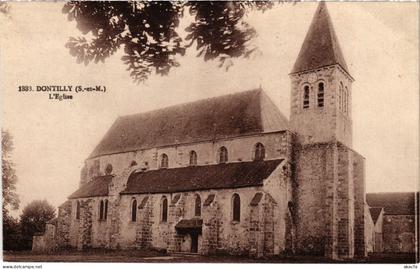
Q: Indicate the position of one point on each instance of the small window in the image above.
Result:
(96, 168)
(77, 210)
(340, 93)
(236, 207)
(101, 210)
(193, 158)
(164, 161)
(259, 152)
(321, 94)
(164, 209)
(306, 97)
(197, 208)
(106, 209)
(134, 210)
(346, 94)
(223, 155)
(108, 169)
(133, 163)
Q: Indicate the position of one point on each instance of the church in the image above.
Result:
(231, 174)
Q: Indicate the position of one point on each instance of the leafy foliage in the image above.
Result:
(12, 238)
(150, 34)
(9, 178)
(4, 8)
(33, 219)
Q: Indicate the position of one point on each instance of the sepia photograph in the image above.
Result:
(229, 132)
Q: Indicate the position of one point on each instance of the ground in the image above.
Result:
(101, 255)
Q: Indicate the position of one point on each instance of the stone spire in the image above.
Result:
(320, 47)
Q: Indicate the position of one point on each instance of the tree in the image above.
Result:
(34, 218)
(12, 238)
(150, 34)
(11, 230)
(9, 178)
(4, 8)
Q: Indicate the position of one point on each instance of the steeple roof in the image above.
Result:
(320, 47)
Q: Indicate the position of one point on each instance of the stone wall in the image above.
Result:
(85, 224)
(330, 201)
(144, 229)
(212, 222)
(277, 145)
(176, 212)
(313, 197)
(345, 202)
(369, 232)
(311, 204)
(321, 124)
(360, 205)
(378, 234)
(399, 233)
(46, 242)
(255, 234)
(64, 219)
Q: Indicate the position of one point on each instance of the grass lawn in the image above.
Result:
(147, 256)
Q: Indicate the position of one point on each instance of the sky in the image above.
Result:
(52, 138)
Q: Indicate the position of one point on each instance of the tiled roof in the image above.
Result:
(375, 212)
(96, 187)
(243, 113)
(394, 203)
(320, 47)
(191, 178)
(189, 224)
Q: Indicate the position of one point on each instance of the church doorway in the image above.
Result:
(194, 241)
(190, 230)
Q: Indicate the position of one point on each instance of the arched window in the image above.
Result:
(259, 152)
(340, 96)
(306, 96)
(346, 94)
(236, 207)
(193, 158)
(77, 210)
(134, 210)
(101, 210)
(223, 155)
(321, 94)
(164, 161)
(164, 209)
(106, 209)
(197, 208)
(90, 171)
(108, 169)
(133, 163)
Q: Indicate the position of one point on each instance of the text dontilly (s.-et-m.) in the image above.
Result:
(61, 92)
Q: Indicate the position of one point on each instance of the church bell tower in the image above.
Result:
(321, 86)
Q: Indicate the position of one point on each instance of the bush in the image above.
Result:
(12, 238)
(33, 219)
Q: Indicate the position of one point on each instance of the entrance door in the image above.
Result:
(194, 242)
